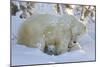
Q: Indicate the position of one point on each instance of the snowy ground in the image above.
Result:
(22, 55)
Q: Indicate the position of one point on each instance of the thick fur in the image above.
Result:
(31, 31)
(50, 30)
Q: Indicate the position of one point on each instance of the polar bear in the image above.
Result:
(56, 34)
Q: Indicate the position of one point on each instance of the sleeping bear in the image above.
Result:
(52, 34)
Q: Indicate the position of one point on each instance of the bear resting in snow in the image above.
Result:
(54, 35)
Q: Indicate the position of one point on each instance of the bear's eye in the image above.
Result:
(74, 41)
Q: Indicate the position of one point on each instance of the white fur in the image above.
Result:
(40, 28)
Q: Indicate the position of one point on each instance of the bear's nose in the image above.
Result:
(51, 51)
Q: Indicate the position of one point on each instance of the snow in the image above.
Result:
(22, 55)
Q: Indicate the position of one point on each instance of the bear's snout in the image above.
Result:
(50, 49)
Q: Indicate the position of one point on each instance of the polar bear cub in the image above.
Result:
(54, 33)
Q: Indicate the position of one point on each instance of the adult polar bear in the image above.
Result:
(52, 34)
